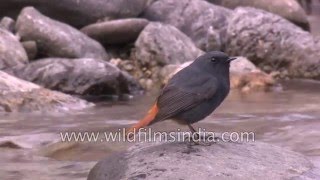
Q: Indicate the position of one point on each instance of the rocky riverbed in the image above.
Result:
(102, 49)
(65, 65)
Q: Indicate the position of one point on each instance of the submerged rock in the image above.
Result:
(117, 31)
(78, 76)
(197, 19)
(11, 51)
(56, 39)
(223, 160)
(273, 43)
(17, 95)
(74, 12)
(289, 9)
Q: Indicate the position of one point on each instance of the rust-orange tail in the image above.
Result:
(143, 122)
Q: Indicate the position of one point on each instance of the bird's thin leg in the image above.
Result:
(193, 132)
(204, 137)
(192, 129)
(196, 137)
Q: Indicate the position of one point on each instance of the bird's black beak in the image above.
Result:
(231, 59)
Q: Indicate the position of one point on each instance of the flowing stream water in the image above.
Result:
(31, 147)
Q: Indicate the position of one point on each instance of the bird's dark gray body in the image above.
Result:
(196, 91)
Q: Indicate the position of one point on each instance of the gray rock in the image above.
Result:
(8, 24)
(120, 31)
(192, 17)
(11, 51)
(213, 40)
(246, 77)
(149, 2)
(306, 5)
(78, 76)
(270, 41)
(224, 160)
(288, 9)
(243, 65)
(17, 95)
(159, 45)
(55, 39)
(162, 44)
(31, 49)
(74, 12)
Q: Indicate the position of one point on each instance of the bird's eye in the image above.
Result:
(213, 59)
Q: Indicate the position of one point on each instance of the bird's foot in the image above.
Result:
(203, 140)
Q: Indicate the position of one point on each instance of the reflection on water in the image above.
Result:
(289, 119)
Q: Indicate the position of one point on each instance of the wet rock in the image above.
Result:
(74, 12)
(55, 39)
(29, 141)
(246, 77)
(224, 160)
(197, 19)
(120, 31)
(159, 45)
(288, 9)
(9, 145)
(17, 95)
(271, 41)
(11, 51)
(76, 151)
(78, 76)
(7, 24)
(30, 48)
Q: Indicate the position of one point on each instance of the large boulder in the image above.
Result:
(289, 9)
(198, 19)
(18, 95)
(159, 45)
(163, 44)
(78, 76)
(223, 160)
(120, 31)
(11, 51)
(77, 12)
(56, 39)
(273, 43)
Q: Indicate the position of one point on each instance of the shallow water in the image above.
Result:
(31, 147)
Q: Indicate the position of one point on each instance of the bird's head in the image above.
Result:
(219, 58)
(216, 61)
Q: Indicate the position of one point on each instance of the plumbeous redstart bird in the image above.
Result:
(192, 93)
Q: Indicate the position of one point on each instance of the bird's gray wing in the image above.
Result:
(180, 96)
